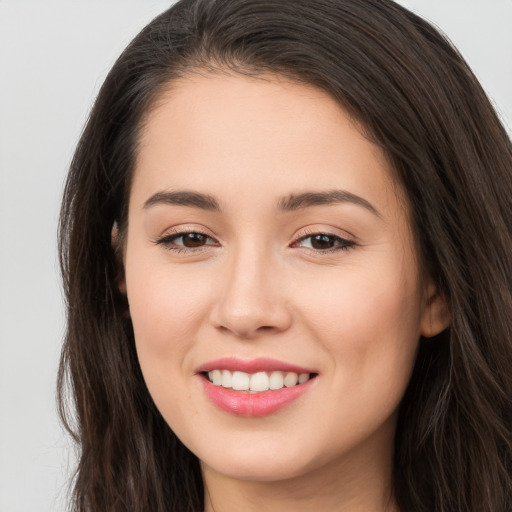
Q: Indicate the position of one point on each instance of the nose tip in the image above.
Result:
(252, 304)
(249, 323)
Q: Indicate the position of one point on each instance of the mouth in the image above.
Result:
(258, 382)
(254, 388)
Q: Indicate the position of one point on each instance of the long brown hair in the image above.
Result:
(415, 97)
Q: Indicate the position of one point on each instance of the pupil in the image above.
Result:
(193, 240)
(322, 242)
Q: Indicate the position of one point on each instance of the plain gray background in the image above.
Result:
(53, 58)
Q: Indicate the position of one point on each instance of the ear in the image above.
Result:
(118, 251)
(436, 315)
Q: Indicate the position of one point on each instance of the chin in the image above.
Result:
(258, 469)
(266, 458)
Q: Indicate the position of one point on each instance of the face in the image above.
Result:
(269, 248)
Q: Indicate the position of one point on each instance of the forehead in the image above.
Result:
(232, 133)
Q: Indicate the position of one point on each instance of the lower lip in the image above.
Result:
(255, 405)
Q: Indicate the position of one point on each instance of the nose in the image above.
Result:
(252, 301)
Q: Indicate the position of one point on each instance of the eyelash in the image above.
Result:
(167, 241)
(342, 244)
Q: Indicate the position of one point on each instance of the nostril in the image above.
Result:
(247, 331)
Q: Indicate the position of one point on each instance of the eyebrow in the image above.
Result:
(289, 203)
(308, 199)
(184, 198)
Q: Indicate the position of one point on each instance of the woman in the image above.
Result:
(285, 241)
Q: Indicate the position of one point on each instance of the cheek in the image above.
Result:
(369, 331)
(166, 311)
(165, 306)
(369, 324)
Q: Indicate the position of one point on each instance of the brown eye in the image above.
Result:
(194, 240)
(322, 242)
(186, 240)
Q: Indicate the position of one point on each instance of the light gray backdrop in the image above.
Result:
(53, 57)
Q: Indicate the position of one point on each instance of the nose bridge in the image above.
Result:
(251, 301)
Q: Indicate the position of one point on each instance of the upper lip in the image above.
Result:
(260, 364)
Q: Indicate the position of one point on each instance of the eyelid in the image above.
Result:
(345, 240)
(170, 234)
(184, 229)
(324, 230)
(168, 237)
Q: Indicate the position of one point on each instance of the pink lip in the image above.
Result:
(243, 403)
(260, 364)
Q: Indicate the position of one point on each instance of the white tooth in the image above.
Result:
(240, 381)
(276, 380)
(290, 379)
(226, 378)
(303, 377)
(216, 377)
(259, 382)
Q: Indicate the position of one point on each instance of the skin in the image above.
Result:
(257, 286)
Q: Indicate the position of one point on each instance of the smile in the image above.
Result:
(256, 382)
(255, 388)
